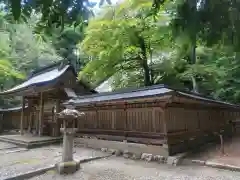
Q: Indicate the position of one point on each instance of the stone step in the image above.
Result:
(31, 144)
(12, 150)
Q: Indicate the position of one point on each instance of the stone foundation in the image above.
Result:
(122, 146)
(132, 151)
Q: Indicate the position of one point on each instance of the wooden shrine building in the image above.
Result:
(157, 115)
(42, 94)
(169, 119)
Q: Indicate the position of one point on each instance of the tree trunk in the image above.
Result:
(193, 5)
(193, 61)
(146, 69)
(151, 64)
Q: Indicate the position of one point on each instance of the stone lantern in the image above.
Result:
(69, 116)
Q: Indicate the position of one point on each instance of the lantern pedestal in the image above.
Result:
(68, 165)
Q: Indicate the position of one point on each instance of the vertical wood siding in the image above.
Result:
(130, 118)
(186, 123)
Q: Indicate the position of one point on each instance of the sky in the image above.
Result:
(113, 1)
(97, 9)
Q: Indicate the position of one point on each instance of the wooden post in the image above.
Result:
(30, 116)
(113, 119)
(41, 109)
(37, 122)
(30, 122)
(1, 122)
(154, 110)
(165, 119)
(57, 120)
(22, 115)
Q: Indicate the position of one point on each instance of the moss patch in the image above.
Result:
(27, 161)
(51, 172)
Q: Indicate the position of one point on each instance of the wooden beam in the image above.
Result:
(22, 115)
(123, 133)
(41, 109)
(148, 141)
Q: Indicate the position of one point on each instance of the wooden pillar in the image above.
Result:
(1, 122)
(114, 117)
(36, 122)
(40, 119)
(30, 122)
(30, 115)
(165, 119)
(22, 116)
(154, 111)
(58, 125)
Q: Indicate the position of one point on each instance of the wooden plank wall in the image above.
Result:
(11, 120)
(123, 118)
(191, 125)
(182, 119)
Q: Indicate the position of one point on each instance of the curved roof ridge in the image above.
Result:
(38, 80)
(126, 90)
(44, 68)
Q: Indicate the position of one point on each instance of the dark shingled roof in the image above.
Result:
(152, 91)
(39, 79)
(44, 69)
(46, 75)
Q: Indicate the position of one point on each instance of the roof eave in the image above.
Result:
(42, 83)
(168, 96)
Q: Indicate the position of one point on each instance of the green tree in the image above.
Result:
(123, 39)
(56, 12)
(7, 71)
(21, 51)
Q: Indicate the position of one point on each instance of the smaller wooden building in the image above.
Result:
(156, 115)
(42, 95)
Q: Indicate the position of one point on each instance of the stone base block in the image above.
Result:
(67, 167)
(120, 147)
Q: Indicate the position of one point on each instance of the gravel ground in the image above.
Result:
(4, 145)
(124, 169)
(15, 163)
(212, 153)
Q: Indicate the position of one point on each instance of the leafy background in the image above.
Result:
(186, 44)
